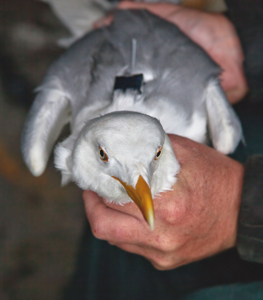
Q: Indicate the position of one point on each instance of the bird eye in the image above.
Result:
(158, 154)
(103, 155)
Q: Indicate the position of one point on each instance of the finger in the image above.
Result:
(230, 57)
(129, 208)
(233, 82)
(110, 224)
(160, 260)
(160, 9)
(236, 94)
(103, 22)
(238, 90)
(135, 249)
(97, 205)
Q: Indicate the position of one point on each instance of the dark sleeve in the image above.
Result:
(247, 17)
(250, 224)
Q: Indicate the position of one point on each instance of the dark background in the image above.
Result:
(40, 223)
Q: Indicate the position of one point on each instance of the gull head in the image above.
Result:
(123, 157)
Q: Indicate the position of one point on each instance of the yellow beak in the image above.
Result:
(142, 197)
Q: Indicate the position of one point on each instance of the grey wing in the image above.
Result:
(59, 99)
(48, 115)
(187, 79)
(223, 124)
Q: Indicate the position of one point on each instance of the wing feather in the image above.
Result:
(49, 114)
(223, 124)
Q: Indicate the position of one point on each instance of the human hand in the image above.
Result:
(213, 32)
(197, 219)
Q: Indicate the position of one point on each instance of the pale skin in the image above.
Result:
(198, 218)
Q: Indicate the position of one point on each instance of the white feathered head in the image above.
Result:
(121, 156)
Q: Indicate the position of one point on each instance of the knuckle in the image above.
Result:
(98, 229)
(162, 263)
(96, 232)
(224, 24)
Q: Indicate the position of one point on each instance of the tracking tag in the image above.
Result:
(129, 82)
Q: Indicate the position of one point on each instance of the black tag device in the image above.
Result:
(133, 82)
